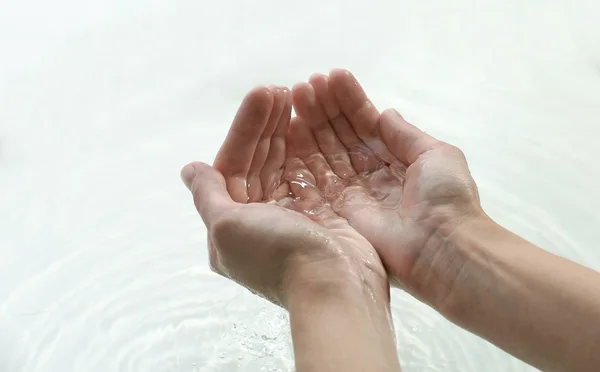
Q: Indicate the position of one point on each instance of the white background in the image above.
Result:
(102, 258)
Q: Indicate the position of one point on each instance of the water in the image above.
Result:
(311, 187)
(103, 265)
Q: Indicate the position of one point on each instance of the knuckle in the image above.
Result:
(222, 227)
(390, 114)
(225, 228)
(456, 151)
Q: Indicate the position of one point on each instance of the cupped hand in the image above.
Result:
(262, 229)
(402, 189)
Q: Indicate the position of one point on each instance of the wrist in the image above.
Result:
(333, 279)
(340, 319)
(451, 260)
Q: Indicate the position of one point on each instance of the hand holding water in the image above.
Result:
(399, 187)
(300, 211)
(262, 233)
(414, 199)
(258, 233)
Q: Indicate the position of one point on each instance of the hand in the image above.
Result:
(255, 240)
(402, 189)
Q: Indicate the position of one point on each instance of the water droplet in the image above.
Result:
(222, 355)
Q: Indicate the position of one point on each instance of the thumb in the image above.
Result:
(404, 140)
(209, 190)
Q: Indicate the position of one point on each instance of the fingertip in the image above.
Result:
(317, 78)
(250, 121)
(288, 95)
(192, 170)
(285, 92)
(188, 174)
(319, 82)
(303, 98)
(260, 91)
(287, 109)
(392, 124)
(286, 114)
(339, 74)
(300, 88)
(346, 89)
(279, 95)
(405, 141)
(261, 96)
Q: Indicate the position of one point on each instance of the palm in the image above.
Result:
(251, 161)
(377, 171)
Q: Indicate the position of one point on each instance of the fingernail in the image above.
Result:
(188, 173)
(397, 113)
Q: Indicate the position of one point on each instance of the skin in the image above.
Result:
(311, 212)
(317, 266)
(434, 238)
(428, 182)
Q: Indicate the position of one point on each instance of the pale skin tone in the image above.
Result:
(316, 213)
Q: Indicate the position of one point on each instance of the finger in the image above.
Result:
(304, 196)
(301, 182)
(209, 190)
(235, 156)
(404, 140)
(359, 110)
(271, 172)
(309, 109)
(306, 149)
(362, 158)
(255, 189)
(282, 191)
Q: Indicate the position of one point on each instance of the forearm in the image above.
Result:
(537, 306)
(343, 325)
